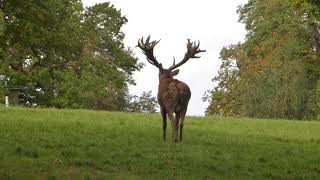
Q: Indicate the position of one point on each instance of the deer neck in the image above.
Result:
(164, 82)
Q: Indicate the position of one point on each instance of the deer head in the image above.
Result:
(147, 48)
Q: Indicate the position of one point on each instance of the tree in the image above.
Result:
(145, 103)
(40, 39)
(224, 97)
(314, 103)
(66, 56)
(272, 73)
(1, 22)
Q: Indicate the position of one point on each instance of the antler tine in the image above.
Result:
(189, 44)
(155, 42)
(192, 50)
(147, 41)
(140, 43)
(147, 49)
(174, 61)
(198, 44)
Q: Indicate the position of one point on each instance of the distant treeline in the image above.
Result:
(275, 72)
(66, 56)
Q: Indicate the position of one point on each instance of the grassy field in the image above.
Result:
(79, 144)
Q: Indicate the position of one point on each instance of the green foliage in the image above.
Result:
(314, 102)
(78, 144)
(272, 73)
(223, 98)
(145, 103)
(65, 55)
(1, 22)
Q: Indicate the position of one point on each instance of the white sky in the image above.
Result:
(214, 23)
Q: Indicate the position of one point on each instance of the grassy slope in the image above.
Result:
(78, 144)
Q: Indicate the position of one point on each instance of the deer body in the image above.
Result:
(173, 98)
(173, 95)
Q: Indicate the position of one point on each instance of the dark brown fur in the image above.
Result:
(173, 98)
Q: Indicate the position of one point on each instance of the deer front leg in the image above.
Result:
(164, 123)
(174, 127)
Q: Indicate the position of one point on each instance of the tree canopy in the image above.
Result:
(65, 55)
(145, 103)
(274, 73)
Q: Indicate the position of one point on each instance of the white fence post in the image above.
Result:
(7, 101)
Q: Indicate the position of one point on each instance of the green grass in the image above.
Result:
(79, 144)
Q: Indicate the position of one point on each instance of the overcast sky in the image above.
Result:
(214, 23)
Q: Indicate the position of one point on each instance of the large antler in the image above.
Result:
(192, 50)
(147, 49)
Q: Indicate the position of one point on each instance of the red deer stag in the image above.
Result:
(173, 95)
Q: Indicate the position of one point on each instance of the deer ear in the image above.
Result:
(175, 72)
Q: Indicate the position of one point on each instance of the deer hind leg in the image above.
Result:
(183, 115)
(164, 123)
(178, 116)
(174, 127)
